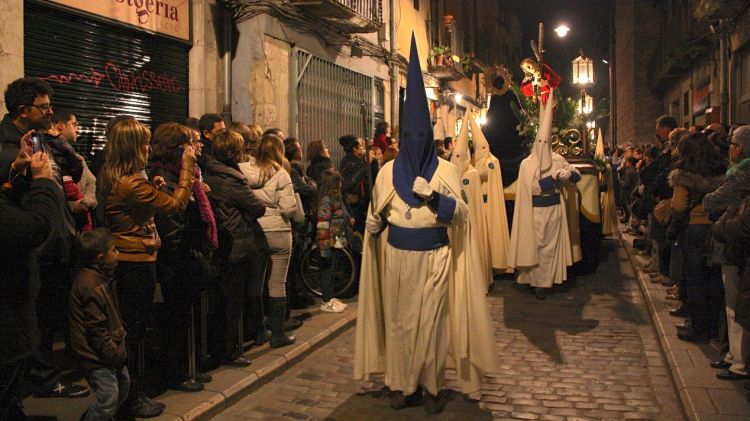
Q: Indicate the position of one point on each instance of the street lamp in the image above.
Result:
(583, 76)
(585, 104)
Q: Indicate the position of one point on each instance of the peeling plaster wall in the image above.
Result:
(205, 75)
(261, 65)
(11, 44)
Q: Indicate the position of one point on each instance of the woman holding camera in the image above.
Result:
(130, 202)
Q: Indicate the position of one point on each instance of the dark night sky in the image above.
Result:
(589, 21)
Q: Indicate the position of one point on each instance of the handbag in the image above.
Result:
(663, 211)
(351, 198)
(150, 236)
(299, 213)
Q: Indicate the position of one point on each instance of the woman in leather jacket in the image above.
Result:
(130, 204)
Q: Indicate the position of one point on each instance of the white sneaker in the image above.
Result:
(331, 307)
(343, 304)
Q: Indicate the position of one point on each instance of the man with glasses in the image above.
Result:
(29, 105)
(724, 203)
(29, 108)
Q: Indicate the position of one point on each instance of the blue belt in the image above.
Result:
(545, 201)
(417, 239)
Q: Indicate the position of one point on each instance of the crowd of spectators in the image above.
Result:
(198, 208)
(686, 199)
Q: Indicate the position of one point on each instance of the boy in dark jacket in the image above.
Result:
(96, 331)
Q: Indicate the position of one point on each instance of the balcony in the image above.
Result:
(446, 71)
(351, 16)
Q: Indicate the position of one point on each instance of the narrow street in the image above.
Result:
(589, 351)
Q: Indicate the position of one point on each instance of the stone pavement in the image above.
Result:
(229, 384)
(587, 352)
(704, 396)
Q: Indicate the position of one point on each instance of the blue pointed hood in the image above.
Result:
(417, 156)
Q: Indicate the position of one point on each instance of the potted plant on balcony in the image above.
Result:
(437, 54)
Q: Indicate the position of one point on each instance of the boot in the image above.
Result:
(254, 320)
(277, 312)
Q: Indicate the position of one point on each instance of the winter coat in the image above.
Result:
(96, 330)
(332, 225)
(735, 187)
(25, 227)
(130, 208)
(276, 193)
(236, 209)
(689, 188)
(354, 172)
(303, 185)
(724, 202)
(180, 232)
(736, 230)
(10, 135)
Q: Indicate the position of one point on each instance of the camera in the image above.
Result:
(36, 142)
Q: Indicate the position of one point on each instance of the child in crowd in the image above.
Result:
(333, 223)
(97, 333)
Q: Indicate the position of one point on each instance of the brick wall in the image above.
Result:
(637, 27)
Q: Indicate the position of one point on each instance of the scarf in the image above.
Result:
(204, 205)
(740, 165)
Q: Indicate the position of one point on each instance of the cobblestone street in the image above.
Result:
(588, 351)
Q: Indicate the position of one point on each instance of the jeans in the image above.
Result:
(326, 275)
(110, 388)
(280, 243)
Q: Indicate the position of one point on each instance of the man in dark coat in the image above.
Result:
(26, 225)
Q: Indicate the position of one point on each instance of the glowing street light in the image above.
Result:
(562, 30)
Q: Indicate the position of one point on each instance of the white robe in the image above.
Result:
(439, 315)
(497, 234)
(472, 186)
(540, 243)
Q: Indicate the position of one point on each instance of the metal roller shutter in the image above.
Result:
(99, 70)
(329, 100)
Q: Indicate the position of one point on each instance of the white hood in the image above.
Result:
(542, 150)
(461, 157)
(481, 146)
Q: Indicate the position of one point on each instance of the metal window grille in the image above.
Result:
(329, 102)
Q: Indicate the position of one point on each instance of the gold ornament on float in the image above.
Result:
(496, 72)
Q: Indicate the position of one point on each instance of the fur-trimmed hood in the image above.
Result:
(692, 181)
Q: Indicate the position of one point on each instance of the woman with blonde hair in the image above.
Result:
(269, 178)
(130, 202)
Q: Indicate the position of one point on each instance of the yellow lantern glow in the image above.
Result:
(585, 104)
(583, 71)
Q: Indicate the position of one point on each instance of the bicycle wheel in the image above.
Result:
(344, 272)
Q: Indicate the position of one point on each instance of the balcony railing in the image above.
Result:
(356, 16)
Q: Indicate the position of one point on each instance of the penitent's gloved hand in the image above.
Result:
(564, 174)
(422, 188)
(373, 223)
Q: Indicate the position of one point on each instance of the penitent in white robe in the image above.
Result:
(496, 232)
(420, 311)
(540, 247)
(472, 187)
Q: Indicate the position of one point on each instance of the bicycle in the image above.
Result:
(345, 271)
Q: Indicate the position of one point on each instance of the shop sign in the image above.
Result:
(168, 17)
